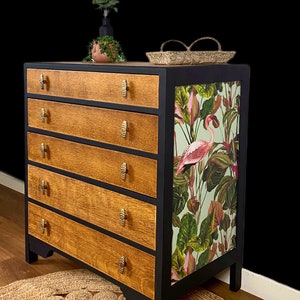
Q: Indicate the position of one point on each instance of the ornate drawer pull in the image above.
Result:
(124, 170)
(122, 264)
(42, 81)
(124, 129)
(43, 115)
(124, 88)
(43, 149)
(123, 217)
(43, 225)
(43, 186)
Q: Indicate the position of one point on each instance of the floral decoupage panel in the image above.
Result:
(206, 146)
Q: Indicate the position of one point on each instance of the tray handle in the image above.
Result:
(205, 38)
(176, 41)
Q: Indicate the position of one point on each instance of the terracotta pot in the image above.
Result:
(97, 56)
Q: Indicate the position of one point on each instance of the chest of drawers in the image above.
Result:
(138, 171)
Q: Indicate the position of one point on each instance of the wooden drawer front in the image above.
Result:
(95, 205)
(96, 86)
(94, 162)
(94, 248)
(98, 124)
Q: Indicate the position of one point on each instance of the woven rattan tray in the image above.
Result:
(189, 57)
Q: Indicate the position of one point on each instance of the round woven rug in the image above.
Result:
(78, 284)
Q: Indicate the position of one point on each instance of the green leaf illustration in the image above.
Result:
(187, 231)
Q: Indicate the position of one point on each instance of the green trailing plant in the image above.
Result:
(107, 45)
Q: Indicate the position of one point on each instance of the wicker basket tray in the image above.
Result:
(189, 57)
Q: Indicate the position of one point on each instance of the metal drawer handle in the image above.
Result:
(122, 264)
(123, 217)
(43, 186)
(42, 81)
(124, 129)
(43, 149)
(43, 115)
(43, 225)
(124, 88)
(124, 170)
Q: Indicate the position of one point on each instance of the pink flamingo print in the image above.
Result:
(197, 150)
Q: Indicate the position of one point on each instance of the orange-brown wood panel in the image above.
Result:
(94, 248)
(99, 163)
(95, 205)
(99, 124)
(142, 90)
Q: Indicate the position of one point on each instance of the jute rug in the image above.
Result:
(78, 284)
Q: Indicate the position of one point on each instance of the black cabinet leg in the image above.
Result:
(31, 256)
(235, 277)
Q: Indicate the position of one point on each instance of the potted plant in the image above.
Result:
(105, 49)
(106, 6)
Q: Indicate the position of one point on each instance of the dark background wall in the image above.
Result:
(60, 31)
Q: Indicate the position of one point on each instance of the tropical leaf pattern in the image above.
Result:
(206, 148)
